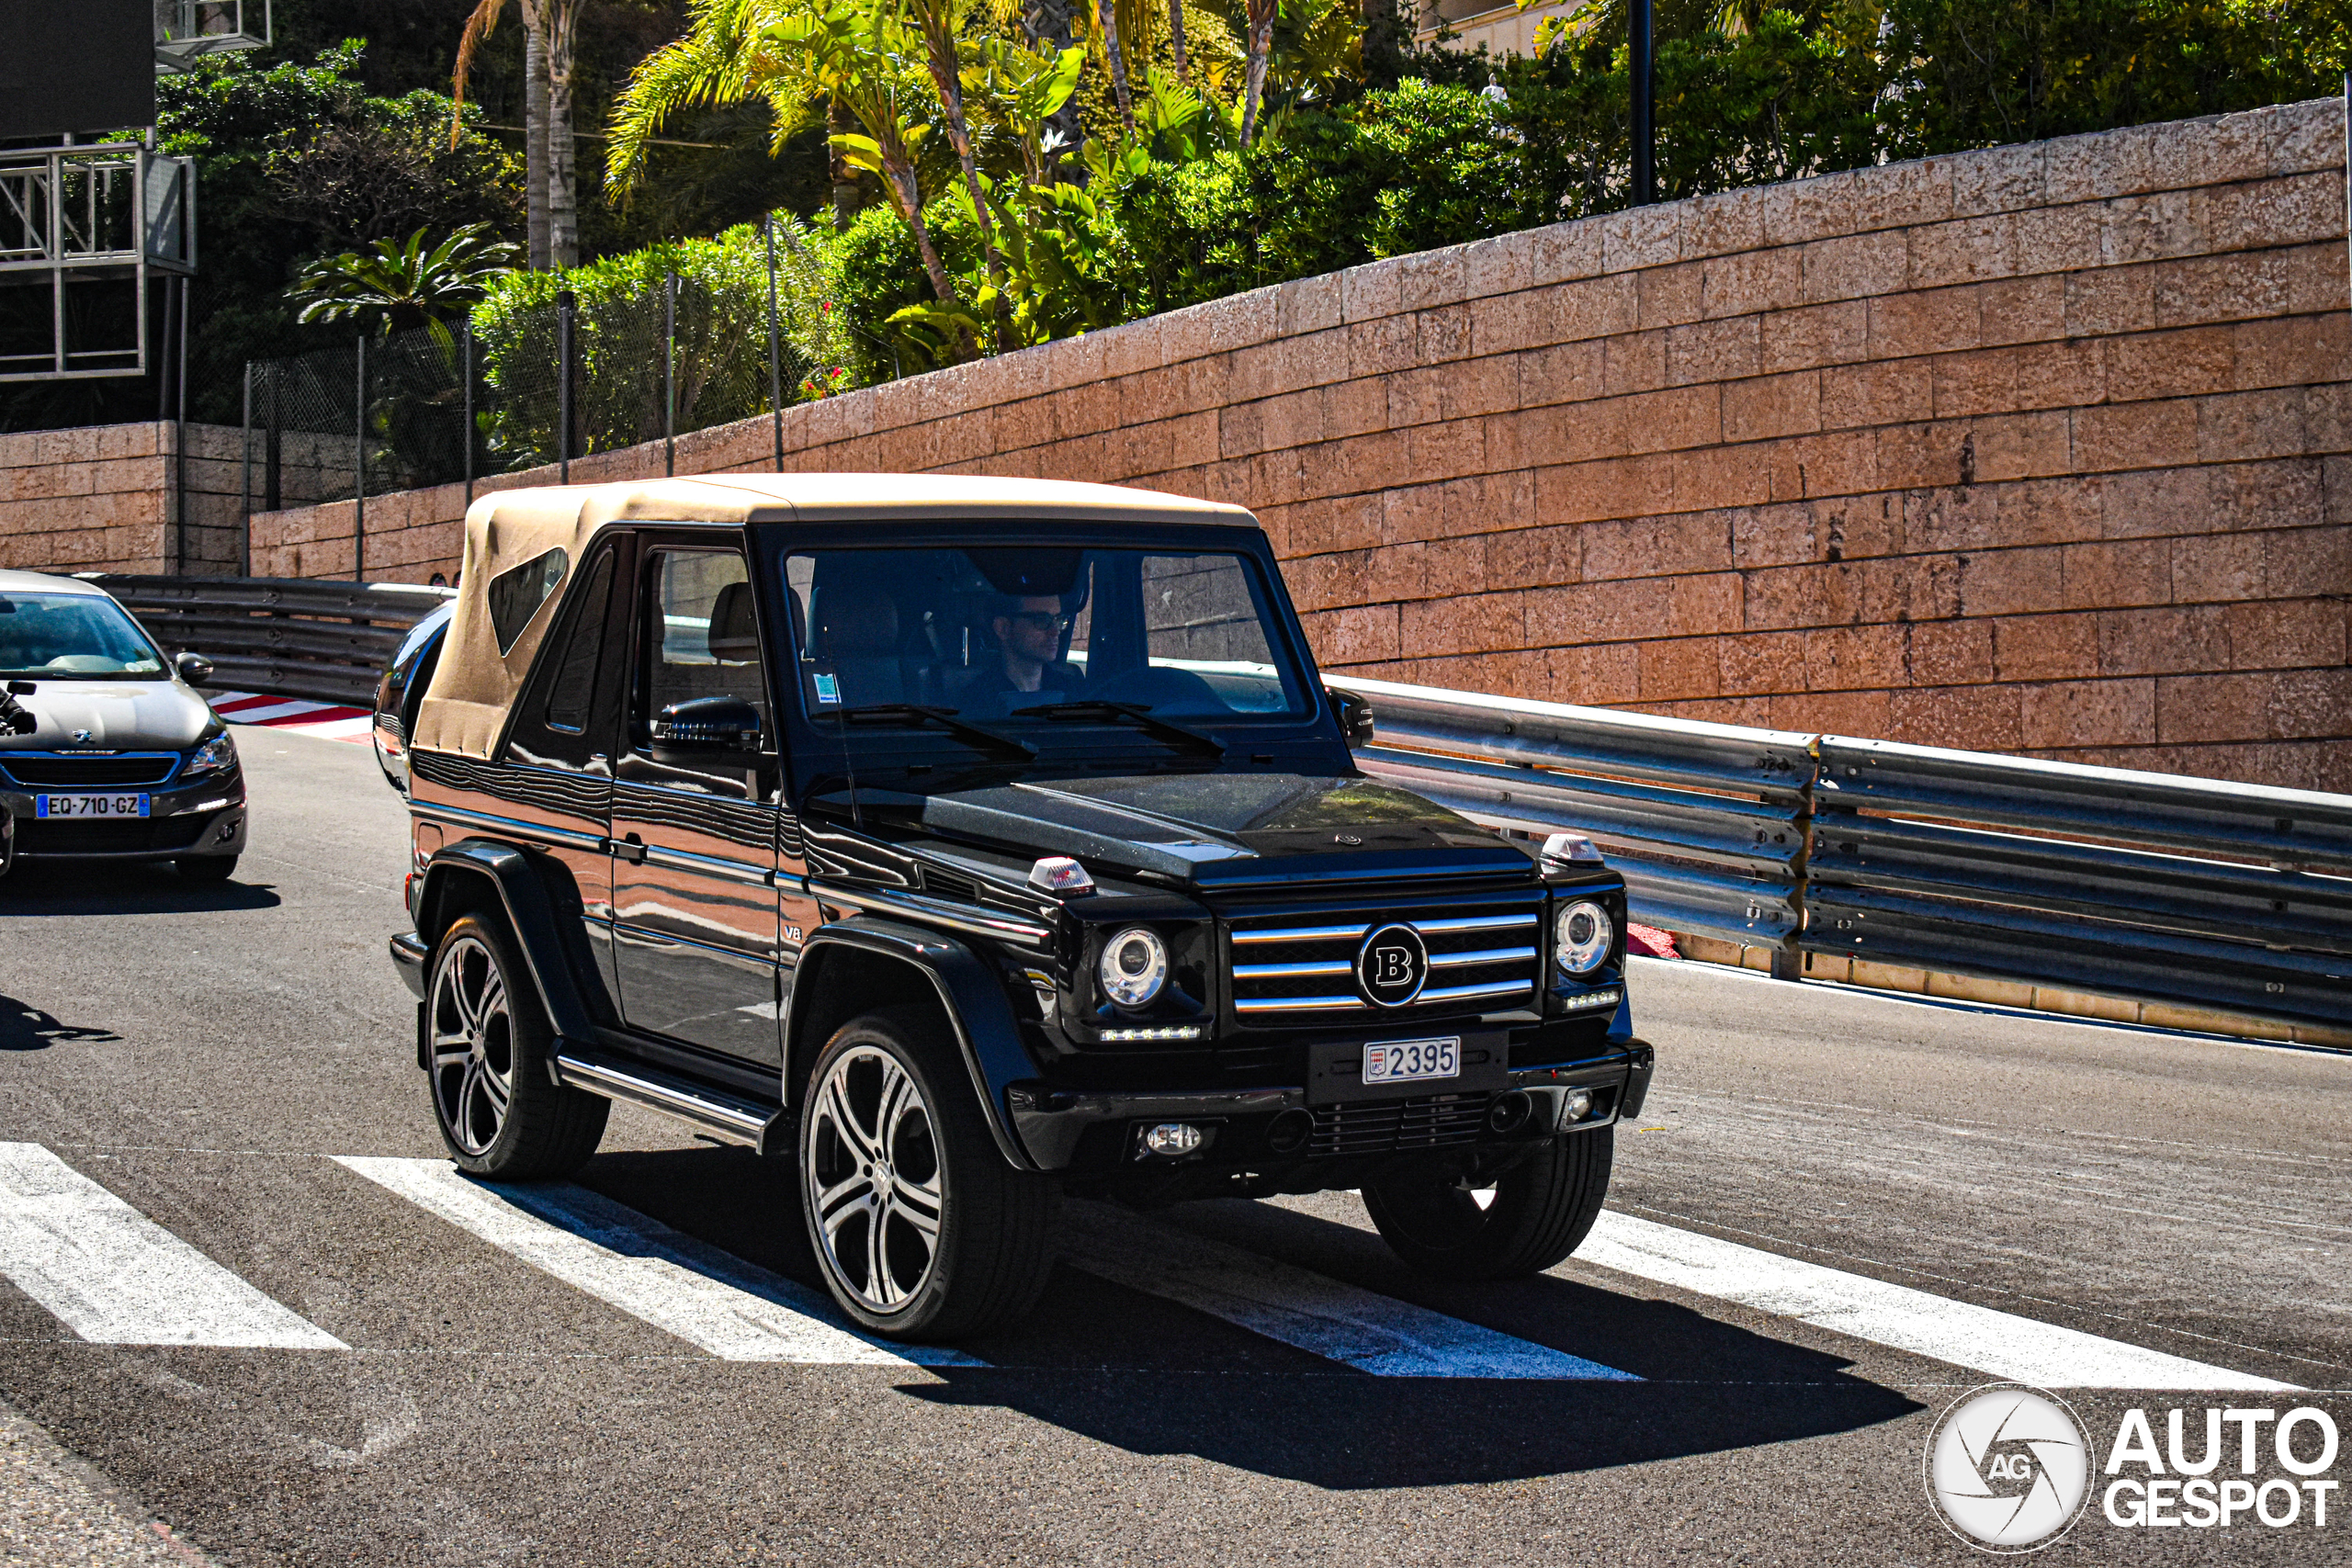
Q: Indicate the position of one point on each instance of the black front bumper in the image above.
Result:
(1096, 1131)
(207, 817)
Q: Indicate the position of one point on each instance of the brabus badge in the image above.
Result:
(81, 736)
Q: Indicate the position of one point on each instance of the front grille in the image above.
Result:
(51, 770)
(130, 835)
(1433, 1122)
(1302, 970)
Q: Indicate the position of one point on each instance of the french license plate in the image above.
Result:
(90, 806)
(1402, 1061)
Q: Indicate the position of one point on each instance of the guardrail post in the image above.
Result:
(1788, 960)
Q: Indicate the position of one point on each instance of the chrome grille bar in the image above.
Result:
(1285, 971)
(1476, 923)
(1484, 955)
(1465, 993)
(1304, 933)
(1295, 1004)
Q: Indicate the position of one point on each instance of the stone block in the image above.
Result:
(2192, 709)
(1808, 209)
(2307, 137)
(1354, 636)
(1713, 351)
(1804, 467)
(2106, 164)
(1753, 281)
(1635, 362)
(2305, 633)
(1997, 180)
(1867, 716)
(1818, 335)
(1510, 321)
(1383, 345)
(1727, 223)
(1668, 296)
(1678, 667)
(1881, 392)
(1983, 718)
(1371, 291)
(2213, 151)
(1852, 659)
(1443, 333)
(2170, 364)
(2109, 299)
(2109, 574)
(2290, 352)
(1967, 250)
(1853, 266)
(1565, 253)
(1761, 664)
(2196, 290)
(1719, 477)
(1937, 320)
(2134, 436)
(1613, 487)
(1655, 548)
(1482, 623)
(2014, 582)
(2045, 648)
(2298, 209)
(1766, 406)
(2178, 640)
(1571, 372)
(2022, 310)
(1950, 653)
(1533, 557)
(2310, 704)
(2241, 425)
(1641, 237)
(1604, 673)
(1499, 266)
(2299, 563)
(1905, 195)
(2058, 238)
(1429, 279)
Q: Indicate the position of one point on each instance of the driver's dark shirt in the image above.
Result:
(990, 691)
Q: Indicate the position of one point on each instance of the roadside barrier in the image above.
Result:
(288, 637)
(2148, 885)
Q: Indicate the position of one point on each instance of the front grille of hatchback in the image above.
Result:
(1300, 970)
(64, 770)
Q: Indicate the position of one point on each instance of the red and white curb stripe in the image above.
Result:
(327, 720)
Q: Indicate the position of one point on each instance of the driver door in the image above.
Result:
(695, 902)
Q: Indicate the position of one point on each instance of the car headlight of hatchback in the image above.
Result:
(212, 757)
(1582, 934)
(1134, 966)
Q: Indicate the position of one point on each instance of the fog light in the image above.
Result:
(1173, 1139)
(1576, 1105)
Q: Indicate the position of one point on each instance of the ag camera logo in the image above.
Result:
(2008, 1468)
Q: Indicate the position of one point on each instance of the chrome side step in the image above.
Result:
(722, 1115)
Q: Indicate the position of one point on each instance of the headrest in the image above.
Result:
(860, 621)
(734, 635)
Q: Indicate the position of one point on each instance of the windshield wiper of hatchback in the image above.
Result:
(1137, 714)
(988, 739)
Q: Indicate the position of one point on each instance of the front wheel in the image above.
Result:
(1521, 1221)
(923, 1230)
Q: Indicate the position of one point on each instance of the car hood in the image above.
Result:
(1229, 829)
(119, 715)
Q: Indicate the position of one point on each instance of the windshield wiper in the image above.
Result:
(945, 718)
(1135, 713)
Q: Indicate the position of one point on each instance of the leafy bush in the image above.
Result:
(721, 357)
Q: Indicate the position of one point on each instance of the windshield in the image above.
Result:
(1013, 636)
(70, 636)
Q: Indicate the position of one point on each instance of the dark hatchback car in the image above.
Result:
(106, 751)
(968, 842)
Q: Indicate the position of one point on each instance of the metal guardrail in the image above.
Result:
(2147, 886)
(288, 637)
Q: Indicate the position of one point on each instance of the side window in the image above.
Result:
(701, 639)
(1201, 615)
(571, 694)
(516, 593)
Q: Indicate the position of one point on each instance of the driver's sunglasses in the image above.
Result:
(1043, 620)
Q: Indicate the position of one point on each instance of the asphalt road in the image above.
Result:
(202, 1053)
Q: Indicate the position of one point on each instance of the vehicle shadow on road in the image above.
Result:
(35, 888)
(24, 1027)
(1142, 1373)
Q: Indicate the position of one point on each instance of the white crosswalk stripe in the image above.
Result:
(2014, 1348)
(708, 1298)
(115, 1276)
(1372, 1333)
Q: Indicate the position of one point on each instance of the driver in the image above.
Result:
(1028, 671)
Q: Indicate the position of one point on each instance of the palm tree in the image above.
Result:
(551, 35)
(400, 285)
(1260, 46)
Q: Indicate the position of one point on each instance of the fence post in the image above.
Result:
(565, 304)
(670, 373)
(273, 450)
(466, 369)
(245, 479)
(775, 354)
(359, 470)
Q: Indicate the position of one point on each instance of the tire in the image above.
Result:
(489, 1046)
(206, 868)
(1541, 1209)
(966, 1240)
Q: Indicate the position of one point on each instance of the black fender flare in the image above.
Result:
(987, 1033)
(530, 916)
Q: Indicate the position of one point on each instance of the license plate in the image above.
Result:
(90, 806)
(1401, 1061)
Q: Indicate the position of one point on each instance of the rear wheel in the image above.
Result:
(206, 868)
(1521, 1221)
(488, 1049)
(923, 1230)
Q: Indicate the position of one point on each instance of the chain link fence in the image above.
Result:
(531, 385)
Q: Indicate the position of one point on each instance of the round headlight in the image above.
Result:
(1134, 966)
(1581, 935)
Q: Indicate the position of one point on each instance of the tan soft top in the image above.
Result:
(465, 708)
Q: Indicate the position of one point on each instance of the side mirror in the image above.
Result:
(194, 668)
(707, 727)
(1355, 712)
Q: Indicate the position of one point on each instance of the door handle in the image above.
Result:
(630, 849)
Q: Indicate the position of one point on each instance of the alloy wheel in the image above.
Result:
(875, 1179)
(472, 1045)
